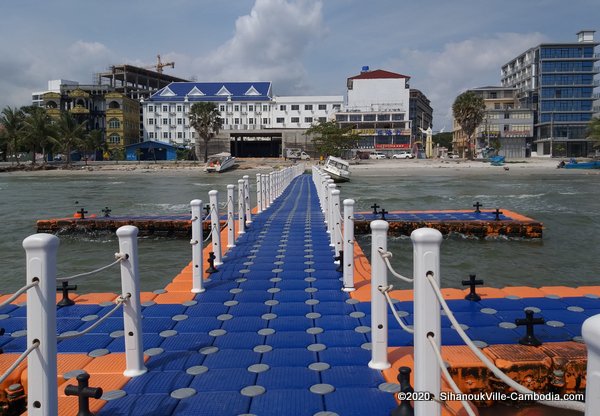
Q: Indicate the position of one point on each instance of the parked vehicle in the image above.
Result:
(403, 154)
(296, 154)
(377, 155)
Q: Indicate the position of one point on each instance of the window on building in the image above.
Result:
(250, 107)
(280, 120)
(308, 106)
(236, 121)
(308, 119)
(179, 121)
(341, 117)
(250, 121)
(283, 107)
(369, 117)
(497, 106)
(355, 117)
(295, 119)
(165, 121)
(506, 115)
(322, 119)
(265, 108)
(179, 108)
(114, 138)
(165, 135)
(151, 121)
(114, 123)
(221, 108)
(165, 108)
(336, 107)
(150, 108)
(179, 135)
(236, 108)
(398, 117)
(383, 117)
(265, 121)
(295, 107)
(322, 106)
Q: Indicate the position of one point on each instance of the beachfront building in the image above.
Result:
(255, 122)
(98, 105)
(557, 81)
(420, 115)
(507, 125)
(377, 108)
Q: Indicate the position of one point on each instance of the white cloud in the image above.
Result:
(268, 44)
(476, 62)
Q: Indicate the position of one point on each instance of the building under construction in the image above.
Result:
(136, 82)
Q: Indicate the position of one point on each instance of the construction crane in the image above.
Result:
(160, 65)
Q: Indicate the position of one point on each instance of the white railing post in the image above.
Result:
(241, 229)
(196, 242)
(331, 220)
(42, 398)
(215, 226)
(132, 310)
(266, 185)
(247, 199)
(271, 187)
(426, 260)
(337, 222)
(348, 245)
(230, 219)
(379, 321)
(258, 193)
(591, 335)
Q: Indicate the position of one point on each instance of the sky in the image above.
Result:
(304, 47)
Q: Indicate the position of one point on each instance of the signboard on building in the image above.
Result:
(382, 132)
(393, 146)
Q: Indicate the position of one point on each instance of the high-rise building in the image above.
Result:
(557, 81)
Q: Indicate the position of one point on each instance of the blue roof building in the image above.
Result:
(214, 91)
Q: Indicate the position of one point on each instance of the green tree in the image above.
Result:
(69, 133)
(469, 110)
(206, 120)
(330, 139)
(11, 134)
(38, 131)
(443, 140)
(594, 132)
(93, 141)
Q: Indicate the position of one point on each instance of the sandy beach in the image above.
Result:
(403, 167)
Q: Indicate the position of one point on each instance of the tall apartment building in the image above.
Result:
(255, 122)
(557, 81)
(377, 108)
(507, 121)
(420, 114)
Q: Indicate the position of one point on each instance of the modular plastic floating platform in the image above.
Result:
(274, 333)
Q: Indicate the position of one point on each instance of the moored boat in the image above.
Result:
(219, 162)
(337, 168)
(595, 164)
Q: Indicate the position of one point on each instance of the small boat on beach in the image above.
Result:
(337, 168)
(219, 162)
(574, 164)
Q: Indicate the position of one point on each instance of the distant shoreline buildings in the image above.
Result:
(133, 104)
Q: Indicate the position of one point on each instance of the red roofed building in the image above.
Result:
(377, 106)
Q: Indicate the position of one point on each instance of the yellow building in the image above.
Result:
(103, 109)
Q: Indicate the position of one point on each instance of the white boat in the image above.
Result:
(337, 168)
(219, 162)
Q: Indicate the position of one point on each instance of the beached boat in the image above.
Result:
(219, 162)
(573, 164)
(337, 168)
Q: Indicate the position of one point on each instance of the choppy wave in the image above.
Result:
(178, 208)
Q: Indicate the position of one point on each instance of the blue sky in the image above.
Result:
(305, 47)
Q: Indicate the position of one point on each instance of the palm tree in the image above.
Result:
(93, 141)
(12, 121)
(38, 130)
(206, 120)
(469, 110)
(70, 133)
(594, 131)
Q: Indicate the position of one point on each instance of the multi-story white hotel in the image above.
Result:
(255, 123)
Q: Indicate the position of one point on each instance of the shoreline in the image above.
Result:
(403, 167)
